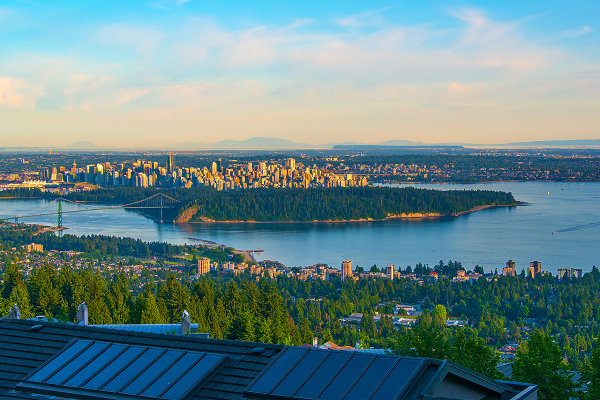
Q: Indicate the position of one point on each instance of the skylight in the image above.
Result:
(94, 369)
(306, 374)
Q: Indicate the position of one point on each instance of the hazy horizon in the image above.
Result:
(158, 73)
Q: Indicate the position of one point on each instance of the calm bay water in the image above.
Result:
(488, 238)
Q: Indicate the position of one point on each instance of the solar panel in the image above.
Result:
(91, 369)
(309, 374)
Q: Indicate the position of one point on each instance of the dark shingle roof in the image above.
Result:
(22, 350)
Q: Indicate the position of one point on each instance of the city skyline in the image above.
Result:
(166, 72)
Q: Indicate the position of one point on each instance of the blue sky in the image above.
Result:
(162, 72)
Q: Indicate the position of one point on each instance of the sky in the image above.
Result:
(161, 72)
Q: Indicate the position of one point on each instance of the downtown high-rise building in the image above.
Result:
(171, 163)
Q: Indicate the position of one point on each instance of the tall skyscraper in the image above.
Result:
(346, 269)
(290, 163)
(219, 165)
(171, 163)
(213, 169)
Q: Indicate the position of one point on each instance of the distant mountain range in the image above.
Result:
(557, 143)
(276, 143)
(252, 143)
(82, 144)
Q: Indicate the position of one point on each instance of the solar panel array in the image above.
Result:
(307, 374)
(87, 367)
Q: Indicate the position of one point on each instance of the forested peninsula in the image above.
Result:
(303, 205)
(337, 204)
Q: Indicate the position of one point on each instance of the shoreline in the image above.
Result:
(477, 183)
(404, 216)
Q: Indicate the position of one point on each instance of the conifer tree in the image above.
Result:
(590, 377)
(539, 361)
(242, 327)
(306, 334)
(472, 352)
(264, 332)
(20, 297)
(12, 277)
(150, 312)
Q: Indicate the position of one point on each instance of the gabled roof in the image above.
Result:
(33, 353)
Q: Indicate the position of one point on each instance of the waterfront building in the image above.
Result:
(346, 269)
(569, 272)
(509, 270)
(390, 271)
(562, 272)
(535, 269)
(537, 265)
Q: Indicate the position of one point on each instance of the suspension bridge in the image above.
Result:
(158, 201)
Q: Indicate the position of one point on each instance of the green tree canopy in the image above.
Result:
(539, 361)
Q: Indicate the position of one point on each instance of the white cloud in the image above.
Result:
(15, 93)
(456, 88)
(481, 30)
(144, 40)
(584, 30)
(371, 18)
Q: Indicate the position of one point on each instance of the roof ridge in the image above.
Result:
(232, 343)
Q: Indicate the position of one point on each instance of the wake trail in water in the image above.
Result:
(578, 227)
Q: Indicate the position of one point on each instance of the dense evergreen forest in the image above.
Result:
(278, 205)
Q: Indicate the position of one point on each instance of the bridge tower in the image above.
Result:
(59, 225)
(161, 207)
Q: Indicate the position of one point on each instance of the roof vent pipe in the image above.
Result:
(82, 314)
(14, 312)
(186, 324)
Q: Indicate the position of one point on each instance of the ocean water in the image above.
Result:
(557, 227)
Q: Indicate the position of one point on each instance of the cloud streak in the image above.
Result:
(584, 30)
